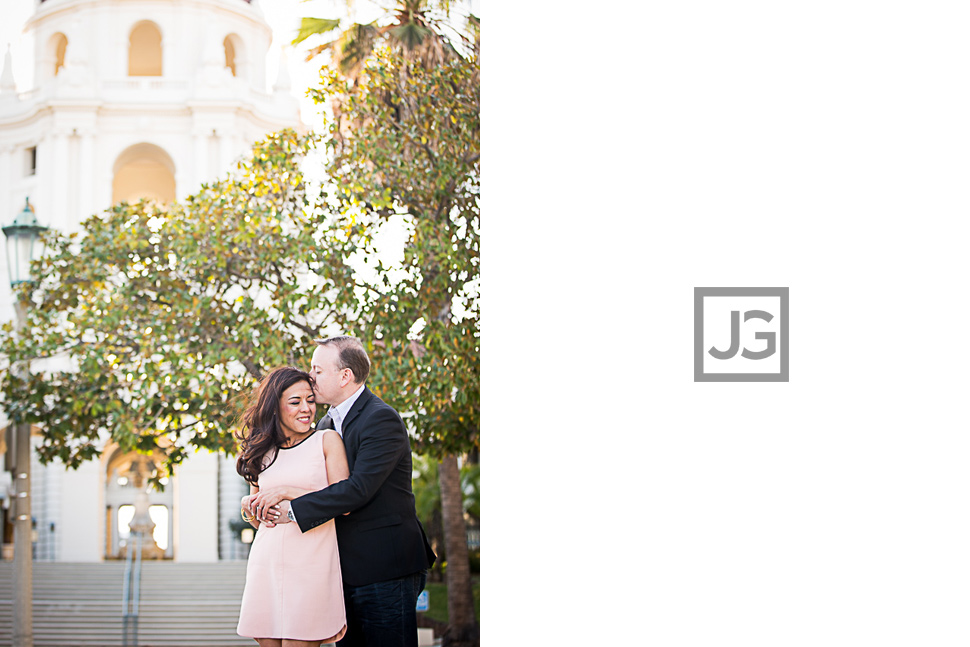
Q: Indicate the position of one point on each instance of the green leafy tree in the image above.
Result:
(405, 145)
(153, 320)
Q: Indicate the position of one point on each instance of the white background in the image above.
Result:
(823, 146)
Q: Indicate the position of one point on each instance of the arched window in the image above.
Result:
(230, 55)
(235, 55)
(160, 517)
(143, 171)
(59, 50)
(145, 50)
(126, 475)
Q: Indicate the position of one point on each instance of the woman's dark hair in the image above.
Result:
(260, 431)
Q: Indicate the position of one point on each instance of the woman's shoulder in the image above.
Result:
(331, 436)
(315, 438)
(331, 441)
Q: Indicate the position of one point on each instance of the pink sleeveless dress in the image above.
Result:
(293, 584)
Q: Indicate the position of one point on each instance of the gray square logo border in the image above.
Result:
(699, 374)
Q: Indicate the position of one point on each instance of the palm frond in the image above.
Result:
(410, 35)
(354, 46)
(313, 26)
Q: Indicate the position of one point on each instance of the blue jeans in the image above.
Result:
(382, 614)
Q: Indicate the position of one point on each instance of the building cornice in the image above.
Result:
(239, 8)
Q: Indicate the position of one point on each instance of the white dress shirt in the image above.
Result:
(339, 412)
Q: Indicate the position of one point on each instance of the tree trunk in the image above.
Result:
(462, 627)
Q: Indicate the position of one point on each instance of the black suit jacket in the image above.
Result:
(381, 539)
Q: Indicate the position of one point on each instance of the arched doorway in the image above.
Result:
(129, 502)
(143, 171)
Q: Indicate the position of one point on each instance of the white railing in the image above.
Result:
(145, 84)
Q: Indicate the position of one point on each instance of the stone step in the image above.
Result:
(180, 604)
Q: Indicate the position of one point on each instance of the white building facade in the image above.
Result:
(132, 99)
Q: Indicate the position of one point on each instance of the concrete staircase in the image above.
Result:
(191, 605)
(184, 605)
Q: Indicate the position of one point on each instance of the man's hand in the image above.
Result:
(281, 509)
(275, 515)
(265, 504)
(270, 505)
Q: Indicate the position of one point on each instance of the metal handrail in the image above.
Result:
(137, 580)
(125, 593)
(131, 592)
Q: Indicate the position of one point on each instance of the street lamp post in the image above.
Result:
(22, 245)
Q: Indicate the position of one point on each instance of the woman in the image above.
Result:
(294, 591)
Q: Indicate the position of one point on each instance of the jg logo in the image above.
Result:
(740, 334)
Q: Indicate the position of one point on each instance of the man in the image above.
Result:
(384, 553)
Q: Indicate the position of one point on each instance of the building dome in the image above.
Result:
(165, 39)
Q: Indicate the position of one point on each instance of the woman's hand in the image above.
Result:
(270, 497)
(265, 503)
(247, 513)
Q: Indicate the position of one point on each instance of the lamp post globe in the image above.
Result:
(23, 238)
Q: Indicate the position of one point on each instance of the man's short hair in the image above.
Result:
(351, 355)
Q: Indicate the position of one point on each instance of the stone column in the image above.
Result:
(7, 177)
(85, 198)
(59, 159)
(196, 507)
(200, 157)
